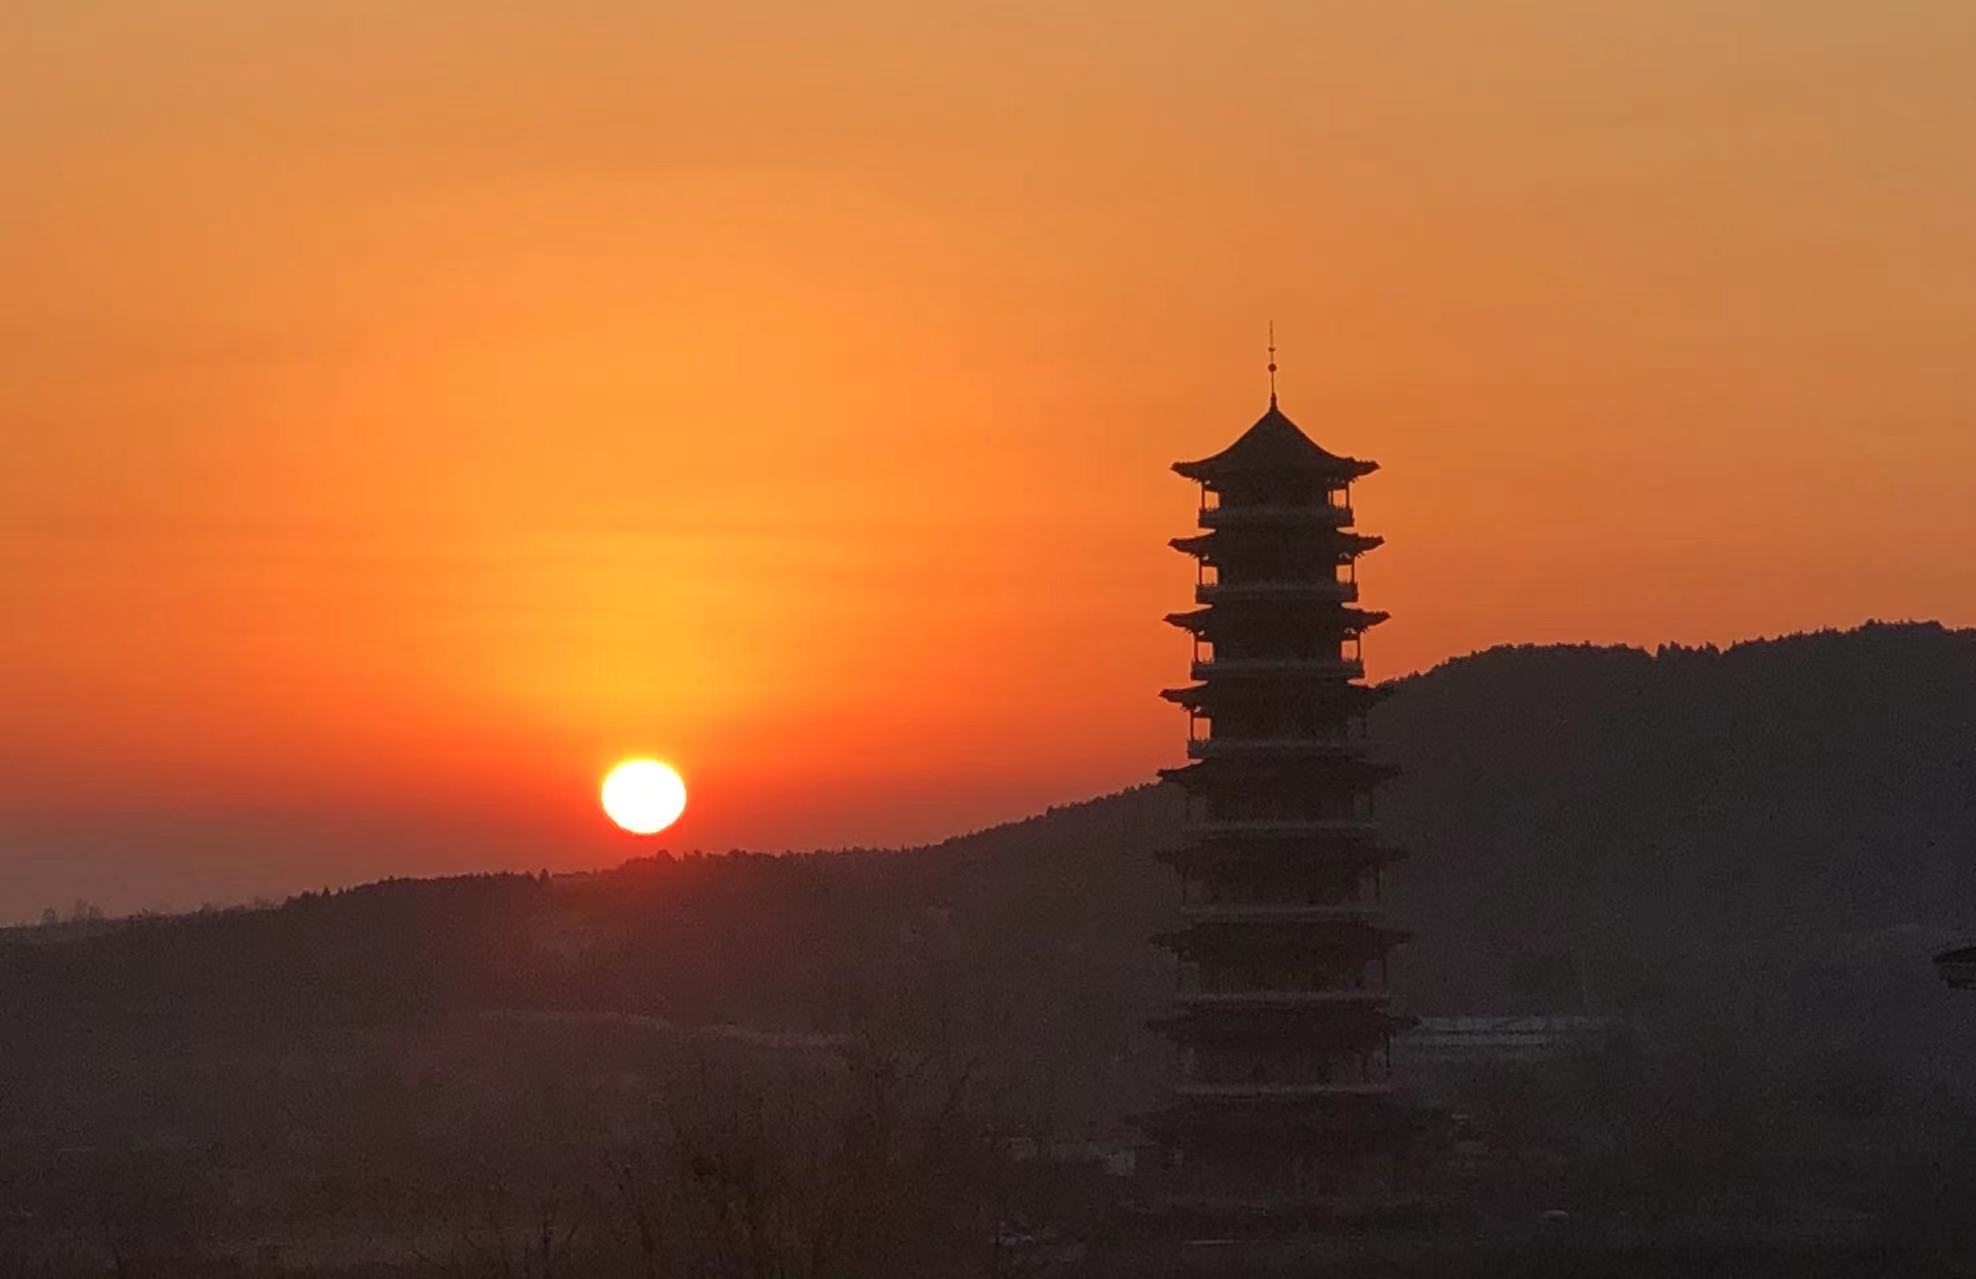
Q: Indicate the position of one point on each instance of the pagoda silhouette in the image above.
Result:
(1286, 1115)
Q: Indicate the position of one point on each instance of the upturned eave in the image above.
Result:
(1274, 445)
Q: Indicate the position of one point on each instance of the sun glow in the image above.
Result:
(644, 796)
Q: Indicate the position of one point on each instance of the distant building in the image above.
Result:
(1437, 1054)
(1505, 1039)
(1958, 967)
(1286, 1111)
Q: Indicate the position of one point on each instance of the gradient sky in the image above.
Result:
(410, 409)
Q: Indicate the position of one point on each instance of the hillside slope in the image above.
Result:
(1788, 823)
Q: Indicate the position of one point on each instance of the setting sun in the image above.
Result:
(644, 796)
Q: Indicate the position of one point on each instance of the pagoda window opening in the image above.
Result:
(1334, 973)
(1246, 492)
(1325, 727)
(1323, 892)
(1273, 807)
(1237, 647)
(1248, 888)
(1320, 808)
(1312, 647)
(1263, 808)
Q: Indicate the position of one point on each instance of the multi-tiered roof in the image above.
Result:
(1285, 1108)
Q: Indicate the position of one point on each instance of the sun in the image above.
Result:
(644, 796)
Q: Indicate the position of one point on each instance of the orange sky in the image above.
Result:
(409, 409)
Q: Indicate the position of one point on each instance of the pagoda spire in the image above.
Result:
(1272, 364)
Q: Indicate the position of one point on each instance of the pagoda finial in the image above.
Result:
(1272, 364)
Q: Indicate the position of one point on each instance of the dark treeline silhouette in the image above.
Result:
(1743, 858)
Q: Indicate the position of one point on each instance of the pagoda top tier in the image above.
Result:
(1274, 446)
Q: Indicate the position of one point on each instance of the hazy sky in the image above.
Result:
(408, 409)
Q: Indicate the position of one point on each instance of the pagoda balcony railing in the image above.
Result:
(1346, 667)
(1218, 747)
(1275, 912)
(1322, 513)
(1280, 998)
(1233, 1091)
(1282, 826)
(1322, 588)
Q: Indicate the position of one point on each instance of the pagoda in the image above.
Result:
(1285, 1112)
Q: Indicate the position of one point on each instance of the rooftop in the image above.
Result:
(1274, 445)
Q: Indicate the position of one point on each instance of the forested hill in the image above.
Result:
(1784, 828)
(1595, 828)
(1804, 793)
(1745, 858)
